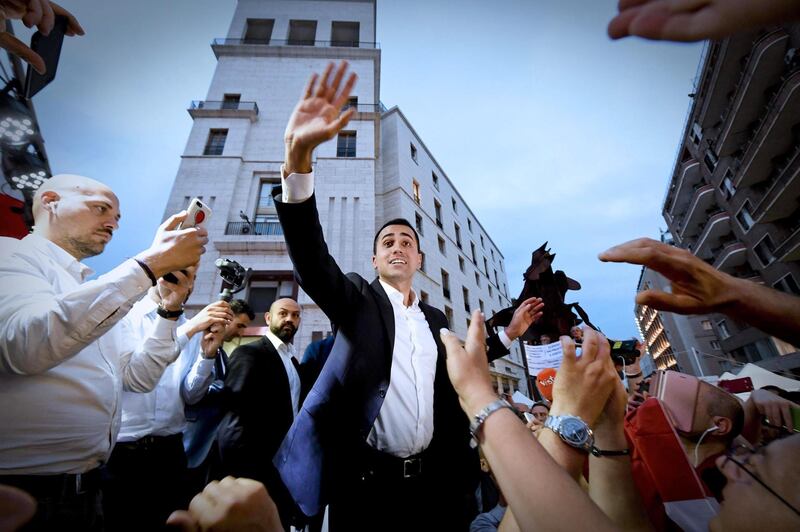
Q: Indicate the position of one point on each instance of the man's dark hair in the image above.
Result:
(395, 221)
(240, 306)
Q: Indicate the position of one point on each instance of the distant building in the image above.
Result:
(377, 169)
(733, 196)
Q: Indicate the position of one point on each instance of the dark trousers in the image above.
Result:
(144, 482)
(390, 493)
(63, 502)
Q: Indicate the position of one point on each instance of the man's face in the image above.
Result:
(236, 328)
(544, 339)
(748, 505)
(540, 413)
(397, 256)
(576, 333)
(283, 319)
(83, 221)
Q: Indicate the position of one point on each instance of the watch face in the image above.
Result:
(575, 431)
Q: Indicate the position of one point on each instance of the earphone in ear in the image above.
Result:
(712, 428)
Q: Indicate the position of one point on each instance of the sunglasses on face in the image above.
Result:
(740, 456)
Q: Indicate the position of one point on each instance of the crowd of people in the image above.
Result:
(120, 413)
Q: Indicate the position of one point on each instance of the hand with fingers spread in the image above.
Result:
(229, 505)
(468, 367)
(39, 13)
(695, 20)
(528, 313)
(318, 116)
(698, 288)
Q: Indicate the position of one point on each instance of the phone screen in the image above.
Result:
(49, 47)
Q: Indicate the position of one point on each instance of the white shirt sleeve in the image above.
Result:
(505, 339)
(296, 187)
(142, 368)
(40, 328)
(196, 382)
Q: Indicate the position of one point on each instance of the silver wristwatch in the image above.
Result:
(573, 430)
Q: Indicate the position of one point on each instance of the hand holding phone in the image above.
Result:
(197, 214)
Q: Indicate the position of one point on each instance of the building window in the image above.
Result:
(346, 144)
(491, 251)
(711, 159)
(465, 292)
(461, 263)
(495, 278)
(437, 207)
(414, 153)
(415, 191)
(714, 345)
(469, 225)
(764, 250)
(744, 217)
(486, 267)
(458, 235)
(435, 179)
(787, 284)
(483, 244)
(724, 332)
(472, 251)
(345, 34)
(490, 290)
(351, 102)
(418, 217)
(231, 101)
(478, 280)
(455, 205)
(216, 142)
(442, 248)
(302, 32)
(448, 313)
(726, 187)
(696, 134)
(422, 262)
(706, 324)
(480, 304)
(423, 296)
(265, 288)
(265, 210)
(445, 285)
(258, 30)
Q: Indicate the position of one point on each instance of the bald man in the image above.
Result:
(264, 387)
(65, 356)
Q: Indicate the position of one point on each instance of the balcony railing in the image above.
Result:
(254, 229)
(224, 105)
(783, 185)
(366, 107)
(294, 42)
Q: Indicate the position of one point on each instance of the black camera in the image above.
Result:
(624, 351)
(234, 277)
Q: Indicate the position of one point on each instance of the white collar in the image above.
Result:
(278, 343)
(396, 296)
(78, 270)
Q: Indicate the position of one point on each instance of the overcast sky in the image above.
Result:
(548, 129)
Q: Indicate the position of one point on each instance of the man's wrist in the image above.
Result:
(296, 161)
(478, 401)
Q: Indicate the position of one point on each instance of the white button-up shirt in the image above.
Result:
(65, 359)
(160, 412)
(404, 425)
(287, 353)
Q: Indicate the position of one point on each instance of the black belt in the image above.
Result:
(55, 485)
(149, 442)
(386, 466)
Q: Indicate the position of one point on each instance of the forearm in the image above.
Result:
(142, 368)
(770, 310)
(533, 483)
(611, 484)
(567, 457)
(509, 523)
(40, 329)
(197, 381)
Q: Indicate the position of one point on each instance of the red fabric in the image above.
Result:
(11, 221)
(660, 467)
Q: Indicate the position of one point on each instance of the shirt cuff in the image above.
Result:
(165, 329)
(132, 280)
(505, 339)
(204, 365)
(296, 187)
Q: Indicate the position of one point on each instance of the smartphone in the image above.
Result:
(528, 416)
(198, 213)
(744, 384)
(49, 47)
(678, 392)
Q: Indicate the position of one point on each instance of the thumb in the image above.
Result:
(451, 342)
(476, 334)
(183, 521)
(172, 222)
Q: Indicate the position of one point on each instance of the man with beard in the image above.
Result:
(263, 390)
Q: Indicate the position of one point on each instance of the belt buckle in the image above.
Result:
(412, 467)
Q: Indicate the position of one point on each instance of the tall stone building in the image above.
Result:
(377, 169)
(733, 196)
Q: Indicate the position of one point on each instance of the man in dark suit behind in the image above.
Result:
(263, 391)
(381, 436)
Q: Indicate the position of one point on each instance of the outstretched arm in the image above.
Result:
(695, 20)
(698, 288)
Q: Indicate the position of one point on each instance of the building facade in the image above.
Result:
(733, 196)
(377, 169)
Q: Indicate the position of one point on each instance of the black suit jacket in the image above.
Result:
(327, 439)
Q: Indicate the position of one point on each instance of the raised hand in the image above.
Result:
(317, 117)
(39, 13)
(695, 20)
(174, 249)
(174, 295)
(216, 314)
(526, 315)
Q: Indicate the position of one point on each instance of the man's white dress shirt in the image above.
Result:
(65, 357)
(287, 353)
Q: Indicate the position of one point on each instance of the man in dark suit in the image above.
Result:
(203, 416)
(381, 436)
(262, 393)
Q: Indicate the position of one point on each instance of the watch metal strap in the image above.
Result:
(480, 418)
